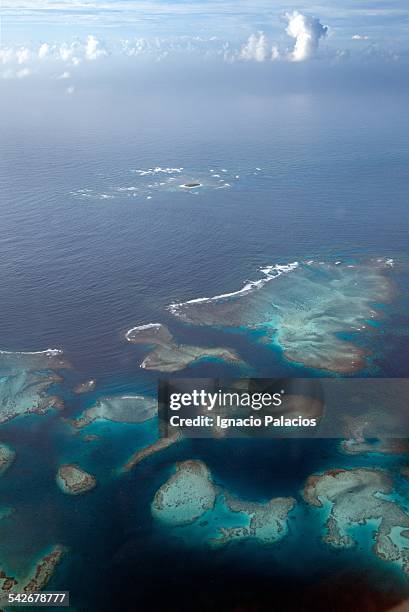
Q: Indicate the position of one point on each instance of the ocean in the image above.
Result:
(99, 236)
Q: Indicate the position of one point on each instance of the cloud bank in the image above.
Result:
(33, 59)
(61, 61)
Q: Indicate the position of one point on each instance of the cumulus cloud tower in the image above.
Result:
(307, 32)
(256, 48)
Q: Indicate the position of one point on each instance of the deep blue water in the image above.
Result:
(76, 273)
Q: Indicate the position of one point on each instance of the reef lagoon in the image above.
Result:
(211, 259)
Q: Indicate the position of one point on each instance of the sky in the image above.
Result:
(58, 39)
(231, 19)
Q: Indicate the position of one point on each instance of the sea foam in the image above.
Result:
(270, 273)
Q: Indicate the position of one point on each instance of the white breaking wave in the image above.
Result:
(159, 170)
(127, 397)
(142, 328)
(270, 273)
(50, 352)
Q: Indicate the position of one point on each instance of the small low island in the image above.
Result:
(73, 480)
(190, 185)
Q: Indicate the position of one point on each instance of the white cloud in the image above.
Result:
(256, 48)
(70, 90)
(43, 50)
(69, 53)
(23, 55)
(8, 74)
(6, 55)
(46, 56)
(377, 53)
(15, 74)
(24, 72)
(15, 57)
(66, 52)
(307, 32)
(135, 47)
(342, 55)
(58, 60)
(93, 48)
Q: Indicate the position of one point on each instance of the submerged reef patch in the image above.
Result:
(6, 512)
(25, 378)
(266, 522)
(303, 307)
(73, 480)
(85, 387)
(7, 456)
(121, 409)
(390, 446)
(355, 497)
(151, 449)
(37, 577)
(190, 494)
(168, 356)
(187, 494)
